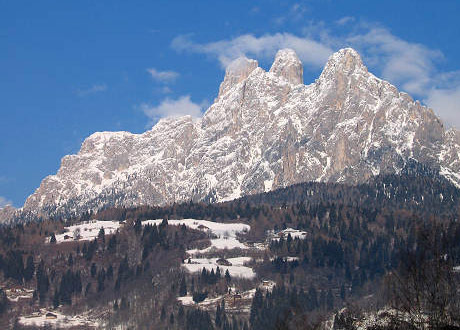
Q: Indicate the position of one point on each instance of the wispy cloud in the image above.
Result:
(413, 67)
(445, 101)
(410, 65)
(164, 90)
(4, 202)
(92, 90)
(294, 13)
(181, 106)
(345, 20)
(309, 51)
(163, 76)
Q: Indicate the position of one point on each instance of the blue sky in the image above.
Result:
(71, 68)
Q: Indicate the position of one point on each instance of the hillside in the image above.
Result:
(265, 130)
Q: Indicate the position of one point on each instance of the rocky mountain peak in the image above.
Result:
(259, 135)
(237, 71)
(344, 62)
(288, 66)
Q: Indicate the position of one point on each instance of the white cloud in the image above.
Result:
(173, 108)
(164, 90)
(446, 103)
(163, 76)
(4, 202)
(411, 66)
(309, 51)
(295, 13)
(92, 90)
(345, 20)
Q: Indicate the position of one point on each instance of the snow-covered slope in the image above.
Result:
(265, 130)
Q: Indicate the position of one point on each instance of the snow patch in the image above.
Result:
(88, 230)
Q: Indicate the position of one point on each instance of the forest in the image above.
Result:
(391, 245)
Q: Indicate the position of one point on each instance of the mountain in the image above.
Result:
(265, 130)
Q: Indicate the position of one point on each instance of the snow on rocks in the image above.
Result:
(86, 231)
(334, 130)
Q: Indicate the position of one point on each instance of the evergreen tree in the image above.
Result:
(88, 289)
(138, 226)
(14, 265)
(56, 299)
(342, 292)
(112, 245)
(183, 287)
(330, 300)
(322, 299)
(101, 235)
(218, 319)
(100, 280)
(228, 278)
(3, 301)
(124, 304)
(197, 319)
(42, 281)
(312, 298)
(93, 269)
(30, 269)
(181, 315)
(110, 272)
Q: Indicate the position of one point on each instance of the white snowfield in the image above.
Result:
(237, 269)
(225, 232)
(210, 303)
(39, 320)
(88, 230)
(19, 294)
(188, 301)
(295, 233)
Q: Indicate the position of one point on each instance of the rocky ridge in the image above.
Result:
(265, 130)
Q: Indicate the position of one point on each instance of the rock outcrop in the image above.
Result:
(265, 130)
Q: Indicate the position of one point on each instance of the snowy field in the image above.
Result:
(88, 230)
(243, 302)
(40, 320)
(18, 294)
(295, 233)
(226, 239)
(225, 232)
(237, 269)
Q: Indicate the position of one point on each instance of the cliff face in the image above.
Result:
(265, 130)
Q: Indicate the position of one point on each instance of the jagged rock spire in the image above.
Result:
(261, 134)
(236, 71)
(345, 61)
(288, 66)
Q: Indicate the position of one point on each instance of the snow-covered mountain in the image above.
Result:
(265, 130)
